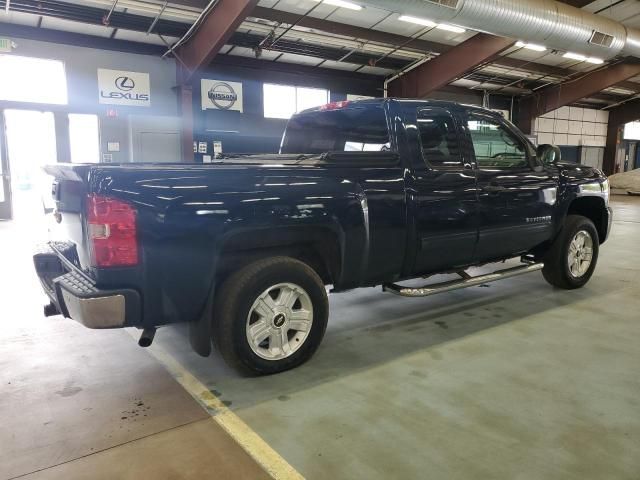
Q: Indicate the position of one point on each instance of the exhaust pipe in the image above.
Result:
(51, 310)
(146, 339)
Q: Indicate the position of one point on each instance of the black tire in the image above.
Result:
(235, 299)
(556, 269)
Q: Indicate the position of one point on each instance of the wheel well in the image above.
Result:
(594, 209)
(319, 250)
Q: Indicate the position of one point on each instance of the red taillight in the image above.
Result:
(111, 226)
(335, 105)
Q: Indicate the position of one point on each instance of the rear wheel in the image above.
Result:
(571, 259)
(270, 316)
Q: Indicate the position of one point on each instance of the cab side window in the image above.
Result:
(495, 145)
(439, 138)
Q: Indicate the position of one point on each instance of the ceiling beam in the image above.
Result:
(78, 39)
(371, 35)
(551, 70)
(552, 98)
(445, 68)
(347, 30)
(288, 45)
(212, 34)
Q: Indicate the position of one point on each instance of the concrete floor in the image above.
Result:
(511, 380)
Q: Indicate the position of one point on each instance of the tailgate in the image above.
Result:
(69, 191)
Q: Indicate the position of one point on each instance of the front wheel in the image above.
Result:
(270, 316)
(571, 259)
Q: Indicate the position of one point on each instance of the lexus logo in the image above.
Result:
(223, 96)
(125, 84)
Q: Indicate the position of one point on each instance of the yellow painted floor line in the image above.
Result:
(250, 441)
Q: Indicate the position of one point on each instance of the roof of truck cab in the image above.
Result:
(381, 101)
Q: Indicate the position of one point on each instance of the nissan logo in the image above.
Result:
(125, 83)
(223, 96)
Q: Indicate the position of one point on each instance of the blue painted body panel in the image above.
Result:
(388, 221)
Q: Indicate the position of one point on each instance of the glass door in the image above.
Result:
(5, 177)
(31, 144)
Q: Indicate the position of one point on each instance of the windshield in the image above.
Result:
(354, 129)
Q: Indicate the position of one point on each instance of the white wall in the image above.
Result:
(573, 126)
(81, 67)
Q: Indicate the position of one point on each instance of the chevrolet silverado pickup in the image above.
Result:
(364, 193)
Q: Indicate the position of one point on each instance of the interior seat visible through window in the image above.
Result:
(440, 145)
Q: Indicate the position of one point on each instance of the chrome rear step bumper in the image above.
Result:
(464, 282)
(75, 295)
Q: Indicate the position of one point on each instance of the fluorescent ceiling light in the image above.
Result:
(583, 58)
(418, 21)
(450, 28)
(343, 4)
(531, 46)
(428, 23)
(575, 56)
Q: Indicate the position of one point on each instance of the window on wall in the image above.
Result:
(33, 80)
(84, 138)
(282, 101)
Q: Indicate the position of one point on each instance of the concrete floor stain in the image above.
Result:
(69, 391)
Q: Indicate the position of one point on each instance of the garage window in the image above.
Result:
(282, 101)
(22, 80)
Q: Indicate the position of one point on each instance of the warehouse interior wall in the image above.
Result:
(250, 131)
(581, 133)
(81, 65)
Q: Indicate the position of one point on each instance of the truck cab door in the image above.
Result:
(517, 195)
(441, 189)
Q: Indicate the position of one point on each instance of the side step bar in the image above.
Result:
(464, 282)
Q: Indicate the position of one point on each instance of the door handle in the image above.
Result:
(494, 189)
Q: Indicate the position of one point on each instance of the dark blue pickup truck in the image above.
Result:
(363, 193)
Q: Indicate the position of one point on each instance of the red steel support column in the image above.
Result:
(625, 113)
(197, 53)
(213, 32)
(185, 94)
(566, 93)
(436, 73)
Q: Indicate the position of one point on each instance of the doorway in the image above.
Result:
(30, 144)
(5, 179)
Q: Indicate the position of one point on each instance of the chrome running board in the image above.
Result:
(464, 282)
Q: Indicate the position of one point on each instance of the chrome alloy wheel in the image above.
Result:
(580, 254)
(279, 321)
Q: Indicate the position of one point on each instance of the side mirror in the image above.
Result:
(549, 154)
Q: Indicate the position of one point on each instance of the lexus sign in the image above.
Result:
(221, 95)
(117, 87)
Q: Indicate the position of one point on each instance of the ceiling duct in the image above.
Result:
(553, 24)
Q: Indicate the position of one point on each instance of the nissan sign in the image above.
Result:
(124, 88)
(221, 95)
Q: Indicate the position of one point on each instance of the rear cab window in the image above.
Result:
(350, 129)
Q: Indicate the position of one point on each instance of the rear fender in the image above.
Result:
(321, 247)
